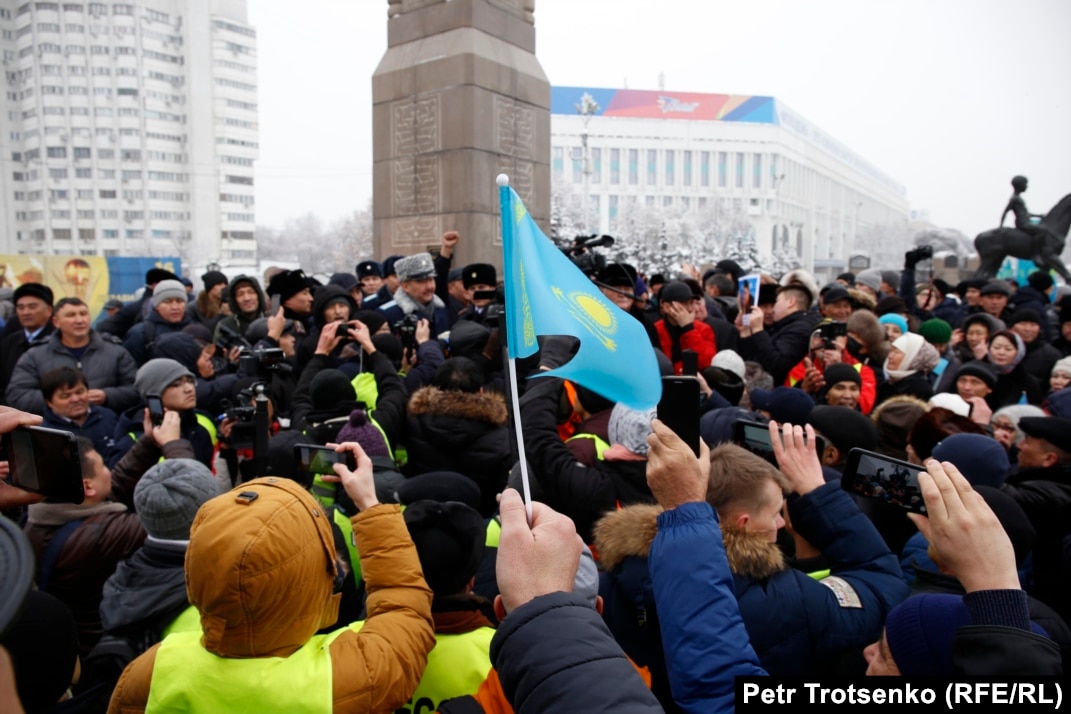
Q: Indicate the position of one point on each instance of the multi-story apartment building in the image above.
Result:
(128, 128)
(742, 156)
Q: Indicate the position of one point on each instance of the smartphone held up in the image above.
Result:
(882, 478)
(45, 461)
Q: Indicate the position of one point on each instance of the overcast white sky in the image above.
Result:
(951, 98)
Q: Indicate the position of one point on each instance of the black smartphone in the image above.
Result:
(679, 408)
(883, 478)
(755, 437)
(45, 461)
(315, 459)
(156, 409)
(276, 303)
(689, 362)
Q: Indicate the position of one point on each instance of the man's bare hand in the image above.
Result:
(674, 474)
(534, 561)
(964, 531)
(359, 484)
(796, 456)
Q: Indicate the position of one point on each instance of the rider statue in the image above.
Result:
(1041, 235)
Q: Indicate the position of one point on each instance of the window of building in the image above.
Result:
(740, 170)
(131, 175)
(557, 160)
(243, 180)
(723, 168)
(61, 234)
(633, 167)
(756, 174)
(57, 173)
(83, 173)
(107, 193)
(704, 168)
(85, 194)
(120, 9)
(578, 164)
(686, 167)
(56, 152)
(652, 167)
(615, 166)
(671, 168)
(611, 205)
(596, 165)
(82, 152)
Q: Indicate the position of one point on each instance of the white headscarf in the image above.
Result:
(909, 343)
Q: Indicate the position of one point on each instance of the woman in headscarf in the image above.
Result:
(1014, 384)
(1005, 426)
(910, 358)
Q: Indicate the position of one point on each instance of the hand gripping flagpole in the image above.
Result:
(506, 209)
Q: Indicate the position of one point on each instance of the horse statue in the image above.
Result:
(995, 245)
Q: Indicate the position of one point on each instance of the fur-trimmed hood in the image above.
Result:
(489, 407)
(862, 299)
(630, 531)
(801, 277)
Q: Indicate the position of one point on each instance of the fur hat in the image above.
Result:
(358, 428)
(801, 278)
(479, 274)
(630, 428)
(936, 425)
(369, 269)
(388, 265)
(894, 419)
(38, 290)
(168, 496)
(156, 375)
(449, 539)
(168, 290)
(287, 283)
(415, 267)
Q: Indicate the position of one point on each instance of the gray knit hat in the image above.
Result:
(166, 290)
(154, 376)
(168, 495)
(871, 278)
(630, 428)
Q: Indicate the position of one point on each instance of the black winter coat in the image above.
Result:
(462, 432)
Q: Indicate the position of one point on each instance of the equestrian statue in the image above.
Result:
(1040, 242)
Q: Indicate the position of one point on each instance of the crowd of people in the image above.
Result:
(208, 568)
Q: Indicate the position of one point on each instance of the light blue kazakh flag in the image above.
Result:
(547, 295)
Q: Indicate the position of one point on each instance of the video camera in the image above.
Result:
(582, 255)
(260, 363)
(406, 329)
(243, 414)
(230, 338)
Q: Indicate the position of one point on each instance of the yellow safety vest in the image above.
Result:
(327, 493)
(457, 666)
(364, 384)
(189, 620)
(600, 445)
(188, 678)
(205, 422)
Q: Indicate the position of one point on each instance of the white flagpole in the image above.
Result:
(507, 235)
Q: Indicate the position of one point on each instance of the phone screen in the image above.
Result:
(755, 437)
(885, 479)
(679, 408)
(276, 303)
(45, 461)
(320, 459)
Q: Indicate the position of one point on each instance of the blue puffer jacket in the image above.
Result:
(797, 625)
(704, 638)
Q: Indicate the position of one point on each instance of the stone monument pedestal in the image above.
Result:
(458, 98)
